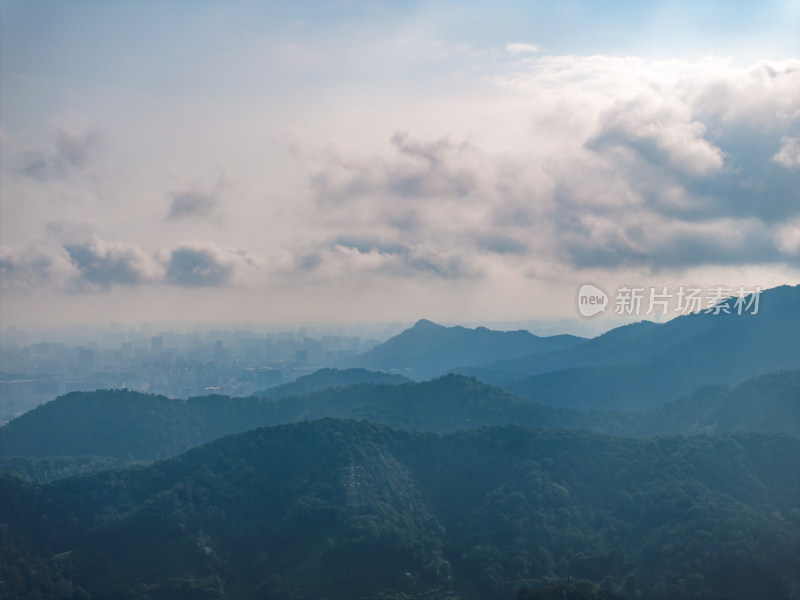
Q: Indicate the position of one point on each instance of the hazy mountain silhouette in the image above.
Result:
(427, 350)
(616, 346)
(640, 366)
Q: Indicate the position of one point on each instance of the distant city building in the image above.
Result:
(301, 357)
(85, 358)
(180, 365)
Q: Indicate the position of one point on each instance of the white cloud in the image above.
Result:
(765, 97)
(787, 238)
(516, 49)
(623, 164)
(660, 130)
(789, 153)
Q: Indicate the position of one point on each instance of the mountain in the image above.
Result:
(127, 425)
(770, 402)
(132, 426)
(344, 509)
(663, 362)
(328, 378)
(445, 404)
(766, 403)
(91, 430)
(428, 350)
(51, 468)
(616, 346)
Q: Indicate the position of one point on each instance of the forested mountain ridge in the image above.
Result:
(768, 403)
(345, 509)
(328, 378)
(129, 426)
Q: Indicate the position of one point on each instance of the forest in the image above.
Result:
(356, 509)
(125, 426)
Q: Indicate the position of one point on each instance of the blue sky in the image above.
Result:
(383, 161)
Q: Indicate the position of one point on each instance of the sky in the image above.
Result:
(345, 161)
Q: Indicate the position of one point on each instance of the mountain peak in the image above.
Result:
(425, 323)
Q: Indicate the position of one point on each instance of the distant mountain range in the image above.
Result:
(428, 350)
(353, 510)
(634, 367)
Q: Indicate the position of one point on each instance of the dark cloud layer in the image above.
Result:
(197, 267)
(72, 148)
(198, 200)
(104, 265)
(94, 264)
(191, 204)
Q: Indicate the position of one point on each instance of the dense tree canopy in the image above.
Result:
(349, 509)
(129, 426)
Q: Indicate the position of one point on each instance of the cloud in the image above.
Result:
(500, 243)
(521, 48)
(198, 200)
(661, 131)
(789, 154)
(74, 258)
(419, 169)
(71, 230)
(626, 164)
(592, 163)
(74, 142)
(35, 267)
(666, 165)
(787, 238)
(90, 264)
(657, 246)
(41, 166)
(191, 204)
(424, 209)
(203, 264)
(103, 263)
(345, 261)
(763, 99)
